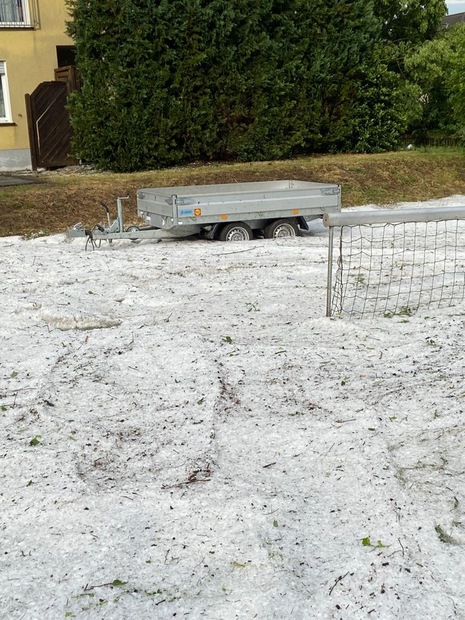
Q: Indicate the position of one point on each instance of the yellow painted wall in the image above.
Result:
(30, 56)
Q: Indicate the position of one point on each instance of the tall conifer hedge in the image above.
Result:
(172, 81)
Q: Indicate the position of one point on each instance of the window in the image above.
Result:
(14, 13)
(66, 55)
(5, 112)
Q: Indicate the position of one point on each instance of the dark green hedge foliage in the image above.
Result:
(172, 81)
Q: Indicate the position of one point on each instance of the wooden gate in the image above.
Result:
(49, 127)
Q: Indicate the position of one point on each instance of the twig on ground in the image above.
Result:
(338, 580)
(403, 550)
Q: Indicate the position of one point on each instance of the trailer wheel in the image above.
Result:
(281, 228)
(134, 228)
(236, 231)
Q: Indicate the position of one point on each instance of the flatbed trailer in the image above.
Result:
(227, 212)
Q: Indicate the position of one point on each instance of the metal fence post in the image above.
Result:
(329, 279)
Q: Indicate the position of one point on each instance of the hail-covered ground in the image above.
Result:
(184, 434)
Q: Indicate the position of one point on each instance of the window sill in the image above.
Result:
(17, 27)
(7, 124)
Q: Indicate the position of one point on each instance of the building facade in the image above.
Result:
(453, 20)
(33, 43)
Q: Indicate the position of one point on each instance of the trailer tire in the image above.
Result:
(235, 231)
(281, 228)
(134, 228)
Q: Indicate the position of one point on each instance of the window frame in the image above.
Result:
(7, 118)
(20, 6)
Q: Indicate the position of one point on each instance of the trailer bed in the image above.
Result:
(199, 205)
